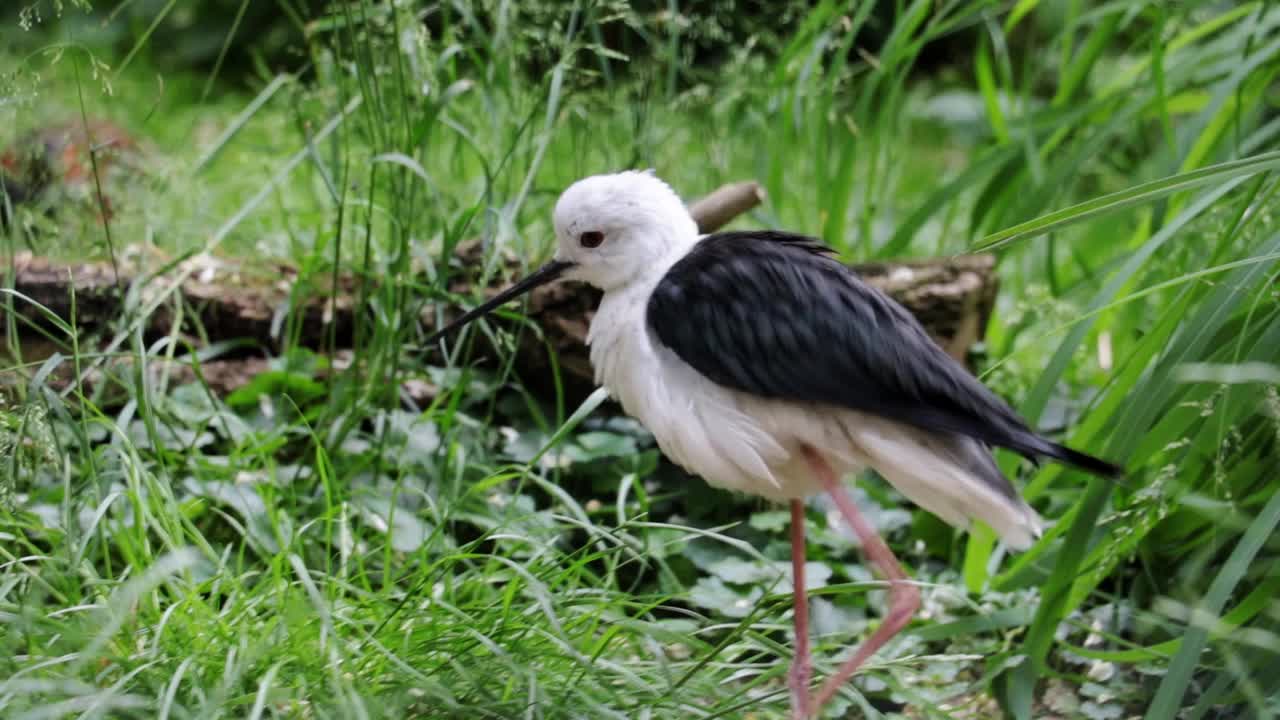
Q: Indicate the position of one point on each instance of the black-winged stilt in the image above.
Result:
(762, 364)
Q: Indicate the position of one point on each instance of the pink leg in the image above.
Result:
(798, 678)
(904, 598)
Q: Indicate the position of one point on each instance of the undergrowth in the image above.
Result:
(317, 545)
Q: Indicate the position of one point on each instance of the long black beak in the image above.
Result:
(543, 275)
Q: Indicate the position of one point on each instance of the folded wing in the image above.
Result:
(774, 314)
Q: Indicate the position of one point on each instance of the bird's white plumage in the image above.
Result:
(731, 439)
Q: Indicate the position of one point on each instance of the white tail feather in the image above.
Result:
(934, 473)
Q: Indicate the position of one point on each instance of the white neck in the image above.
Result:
(619, 335)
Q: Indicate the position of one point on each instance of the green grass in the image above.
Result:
(312, 548)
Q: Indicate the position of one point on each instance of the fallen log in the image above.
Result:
(224, 300)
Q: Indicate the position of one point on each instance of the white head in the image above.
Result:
(614, 227)
(610, 230)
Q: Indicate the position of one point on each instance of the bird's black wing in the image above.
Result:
(774, 314)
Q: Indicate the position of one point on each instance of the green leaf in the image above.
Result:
(770, 520)
(276, 382)
(990, 94)
(1229, 373)
(712, 593)
(597, 445)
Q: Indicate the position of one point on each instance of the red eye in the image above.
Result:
(591, 239)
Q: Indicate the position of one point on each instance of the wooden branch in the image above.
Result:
(223, 300)
(723, 205)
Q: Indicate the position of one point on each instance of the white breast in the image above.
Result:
(698, 424)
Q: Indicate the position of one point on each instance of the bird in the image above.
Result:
(764, 365)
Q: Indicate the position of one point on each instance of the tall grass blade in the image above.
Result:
(1137, 195)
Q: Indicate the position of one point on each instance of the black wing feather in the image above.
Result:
(774, 314)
